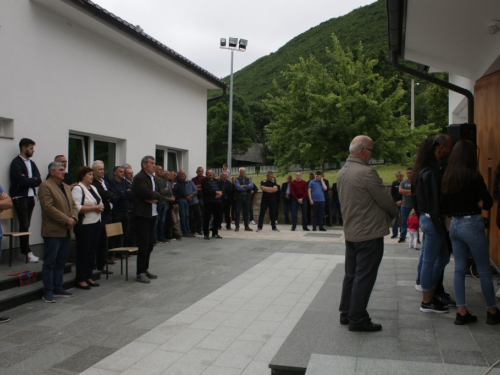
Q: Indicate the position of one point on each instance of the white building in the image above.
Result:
(82, 82)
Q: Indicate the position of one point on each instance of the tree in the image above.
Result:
(436, 100)
(217, 129)
(320, 111)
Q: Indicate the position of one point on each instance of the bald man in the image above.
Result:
(367, 209)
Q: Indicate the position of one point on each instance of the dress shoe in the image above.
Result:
(85, 287)
(343, 319)
(216, 236)
(93, 285)
(248, 229)
(237, 229)
(150, 275)
(306, 229)
(368, 327)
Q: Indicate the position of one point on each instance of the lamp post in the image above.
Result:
(412, 124)
(240, 47)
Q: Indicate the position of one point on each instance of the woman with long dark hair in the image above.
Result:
(464, 196)
(426, 179)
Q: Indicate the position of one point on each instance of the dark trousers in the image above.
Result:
(100, 255)
(327, 216)
(195, 222)
(87, 239)
(241, 204)
(160, 222)
(201, 204)
(336, 209)
(318, 210)
(24, 210)
(295, 210)
(308, 214)
(124, 218)
(287, 209)
(226, 211)
(54, 259)
(272, 213)
(362, 260)
(212, 210)
(145, 236)
(250, 206)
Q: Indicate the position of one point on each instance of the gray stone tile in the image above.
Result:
(84, 358)
(461, 357)
(373, 346)
(456, 342)
(239, 354)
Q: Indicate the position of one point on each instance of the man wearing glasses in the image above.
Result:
(367, 209)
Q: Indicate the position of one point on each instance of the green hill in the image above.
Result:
(367, 24)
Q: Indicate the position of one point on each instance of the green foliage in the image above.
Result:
(436, 101)
(326, 105)
(217, 129)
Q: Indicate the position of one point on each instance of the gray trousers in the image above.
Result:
(362, 260)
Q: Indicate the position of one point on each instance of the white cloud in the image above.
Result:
(194, 28)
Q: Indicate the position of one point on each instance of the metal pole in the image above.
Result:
(412, 125)
(230, 130)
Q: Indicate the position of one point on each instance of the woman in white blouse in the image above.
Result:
(87, 231)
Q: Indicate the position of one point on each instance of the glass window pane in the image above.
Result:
(160, 158)
(106, 152)
(76, 158)
(172, 161)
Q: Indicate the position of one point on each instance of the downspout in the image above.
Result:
(396, 17)
(224, 92)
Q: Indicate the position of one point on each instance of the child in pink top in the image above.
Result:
(412, 223)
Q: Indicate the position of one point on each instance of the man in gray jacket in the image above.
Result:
(367, 210)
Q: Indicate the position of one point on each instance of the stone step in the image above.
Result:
(322, 364)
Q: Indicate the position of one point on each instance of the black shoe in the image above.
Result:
(402, 240)
(86, 287)
(368, 327)
(396, 236)
(343, 319)
(306, 229)
(4, 319)
(493, 319)
(206, 238)
(149, 275)
(322, 229)
(216, 236)
(418, 242)
(460, 320)
(314, 229)
(228, 228)
(94, 285)
(293, 229)
(434, 307)
(446, 300)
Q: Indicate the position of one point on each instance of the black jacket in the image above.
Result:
(108, 196)
(142, 187)
(429, 196)
(20, 183)
(209, 192)
(284, 186)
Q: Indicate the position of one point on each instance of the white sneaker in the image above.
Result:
(418, 288)
(32, 258)
(253, 222)
(222, 224)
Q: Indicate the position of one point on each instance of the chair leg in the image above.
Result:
(10, 251)
(121, 265)
(126, 268)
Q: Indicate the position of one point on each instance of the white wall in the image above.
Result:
(57, 77)
(457, 109)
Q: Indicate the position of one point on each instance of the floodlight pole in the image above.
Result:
(412, 125)
(230, 127)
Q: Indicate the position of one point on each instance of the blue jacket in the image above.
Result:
(20, 183)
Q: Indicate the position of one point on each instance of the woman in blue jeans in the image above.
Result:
(464, 196)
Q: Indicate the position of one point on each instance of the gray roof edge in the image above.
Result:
(136, 33)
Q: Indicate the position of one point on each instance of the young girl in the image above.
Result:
(412, 223)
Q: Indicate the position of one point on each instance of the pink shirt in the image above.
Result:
(412, 223)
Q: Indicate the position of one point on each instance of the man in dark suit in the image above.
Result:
(24, 179)
(212, 194)
(146, 199)
(59, 215)
(287, 199)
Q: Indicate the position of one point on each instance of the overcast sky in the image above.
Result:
(194, 28)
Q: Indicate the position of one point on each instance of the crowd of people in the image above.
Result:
(443, 197)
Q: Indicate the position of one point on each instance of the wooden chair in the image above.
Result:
(8, 214)
(112, 230)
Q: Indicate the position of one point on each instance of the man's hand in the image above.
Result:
(300, 201)
(152, 201)
(398, 203)
(171, 199)
(287, 196)
(70, 222)
(3, 196)
(189, 198)
(312, 203)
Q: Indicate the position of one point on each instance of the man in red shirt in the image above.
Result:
(298, 191)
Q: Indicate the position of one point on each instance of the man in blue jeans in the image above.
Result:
(316, 189)
(406, 205)
(59, 215)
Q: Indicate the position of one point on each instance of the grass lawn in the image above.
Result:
(387, 173)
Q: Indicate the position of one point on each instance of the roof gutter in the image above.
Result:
(137, 34)
(396, 16)
(224, 93)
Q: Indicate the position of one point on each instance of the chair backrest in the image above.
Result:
(7, 214)
(114, 229)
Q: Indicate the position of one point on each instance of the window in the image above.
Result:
(6, 128)
(77, 155)
(106, 152)
(160, 158)
(172, 161)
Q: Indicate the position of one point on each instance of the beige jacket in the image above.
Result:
(56, 208)
(367, 207)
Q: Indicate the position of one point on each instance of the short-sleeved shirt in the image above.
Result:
(406, 184)
(317, 194)
(269, 197)
(395, 191)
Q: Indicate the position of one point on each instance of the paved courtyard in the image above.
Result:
(228, 306)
